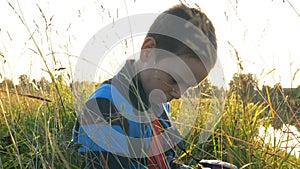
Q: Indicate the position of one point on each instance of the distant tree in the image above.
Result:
(24, 84)
(293, 95)
(23, 80)
(283, 103)
(7, 83)
(206, 87)
(44, 85)
(292, 106)
(243, 85)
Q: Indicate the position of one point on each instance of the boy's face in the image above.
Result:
(170, 77)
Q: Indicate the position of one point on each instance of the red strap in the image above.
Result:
(157, 161)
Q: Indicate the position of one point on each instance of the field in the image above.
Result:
(36, 128)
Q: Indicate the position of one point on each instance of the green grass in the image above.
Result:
(37, 133)
(235, 139)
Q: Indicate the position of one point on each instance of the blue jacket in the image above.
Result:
(115, 121)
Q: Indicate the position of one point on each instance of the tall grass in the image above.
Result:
(36, 127)
(37, 133)
(237, 137)
(36, 124)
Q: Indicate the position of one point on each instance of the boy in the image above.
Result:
(125, 123)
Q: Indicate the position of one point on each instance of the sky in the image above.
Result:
(265, 33)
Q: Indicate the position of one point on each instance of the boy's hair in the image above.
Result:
(192, 15)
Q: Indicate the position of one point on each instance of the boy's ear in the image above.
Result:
(148, 44)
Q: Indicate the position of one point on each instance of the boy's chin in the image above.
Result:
(157, 97)
(158, 100)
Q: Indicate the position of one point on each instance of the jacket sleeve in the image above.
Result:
(94, 154)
